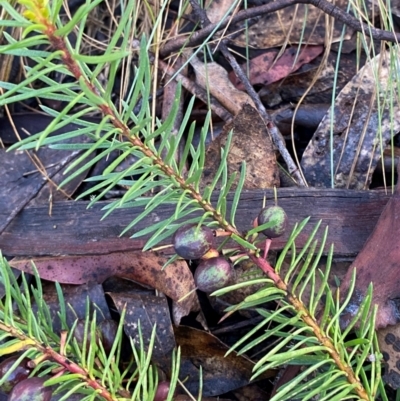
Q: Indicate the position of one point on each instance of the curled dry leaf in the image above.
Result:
(220, 372)
(264, 70)
(215, 79)
(175, 280)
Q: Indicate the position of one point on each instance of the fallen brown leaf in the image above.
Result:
(216, 9)
(264, 70)
(214, 78)
(148, 310)
(175, 280)
(220, 373)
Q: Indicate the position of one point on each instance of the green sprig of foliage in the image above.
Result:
(86, 368)
(336, 366)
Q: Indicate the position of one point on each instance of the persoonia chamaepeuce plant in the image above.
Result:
(337, 363)
(70, 364)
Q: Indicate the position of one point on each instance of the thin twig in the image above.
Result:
(273, 130)
(197, 38)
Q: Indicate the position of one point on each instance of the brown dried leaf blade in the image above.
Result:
(264, 70)
(175, 280)
(221, 373)
(250, 143)
(214, 78)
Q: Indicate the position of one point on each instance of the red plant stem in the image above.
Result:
(59, 44)
(264, 265)
(49, 353)
(311, 322)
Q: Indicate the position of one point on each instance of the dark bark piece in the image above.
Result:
(378, 262)
(51, 191)
(20, 179)
(307, 116)
(73, 229)
(148, 310)
(76, 297)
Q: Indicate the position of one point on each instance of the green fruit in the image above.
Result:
(31, 389)
(213, 274)
(275, 215)
(192, 242)
(21, 372)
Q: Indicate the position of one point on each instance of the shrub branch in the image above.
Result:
(48, 353)
(59, 44)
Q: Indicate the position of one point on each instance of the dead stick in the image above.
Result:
(198, 37)
(272, 129)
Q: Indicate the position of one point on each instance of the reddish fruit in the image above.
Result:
(162, 391)
(21, 372)
(192, 242)
(213, 274)
(31, 389)
(275, 215)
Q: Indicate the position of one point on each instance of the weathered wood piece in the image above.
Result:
(70, 228)
(21, 180)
